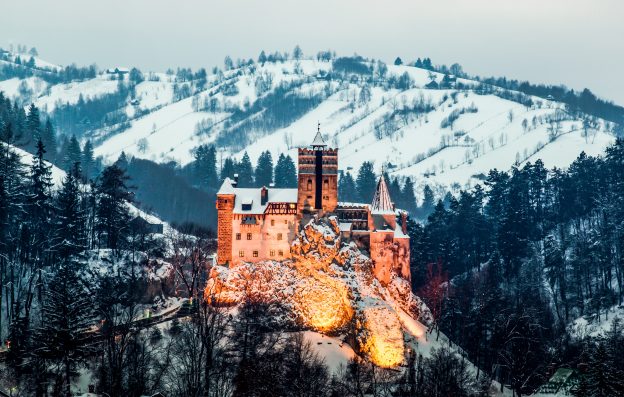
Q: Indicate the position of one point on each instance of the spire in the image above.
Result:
(318, 139)
(381, 201)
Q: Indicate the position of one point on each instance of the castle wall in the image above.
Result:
(225, 208)
(265, 238)
(382, 253)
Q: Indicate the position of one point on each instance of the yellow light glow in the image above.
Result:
(323, 303)
(384, 342)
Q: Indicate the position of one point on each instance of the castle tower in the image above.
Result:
(318, 177)
(225, 214)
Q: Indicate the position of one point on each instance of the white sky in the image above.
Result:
(576, 42)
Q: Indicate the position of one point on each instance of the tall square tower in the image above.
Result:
(317, 188)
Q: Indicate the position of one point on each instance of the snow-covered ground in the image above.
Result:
(499, 134)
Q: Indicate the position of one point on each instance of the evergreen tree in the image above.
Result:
(346, 188)
(285, 172)
(229, 169)
(602, 377)
(112, 213)
(88, 162)
(366, 182)
(48, 136)
(67, 313)
(428, 201)
(72, 154)
(206, 167)
(245, 172)
(33, 127)
(398, 61)
(264, 170)
(40, 202)
(407, 193)
(70, 225)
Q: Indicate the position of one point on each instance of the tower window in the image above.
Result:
(248, 236)
(238, 236)
(279, 236)
(309, 184)
(326, 183)
(272, 222)
(280, 253)
(272, 253)
(255, 254)
(241, 253)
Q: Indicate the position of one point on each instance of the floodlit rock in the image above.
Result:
(323, 288)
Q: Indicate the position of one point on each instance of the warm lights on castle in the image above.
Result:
(259, 224)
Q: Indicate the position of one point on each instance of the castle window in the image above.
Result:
(280, 253)
(272, 222)
(272, 253)
(309, 184)
(326, 183)
(255, 254)
(238, 236)
(241, 253)
(285, 221)
(248, 236)
(279, 236)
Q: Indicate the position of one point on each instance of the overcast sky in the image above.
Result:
(576, 42)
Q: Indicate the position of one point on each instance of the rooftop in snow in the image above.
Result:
(249, 200)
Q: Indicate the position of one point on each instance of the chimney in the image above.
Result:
(404, 222)
(264, 195)
(235, 184)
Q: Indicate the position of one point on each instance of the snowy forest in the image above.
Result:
(521, 268)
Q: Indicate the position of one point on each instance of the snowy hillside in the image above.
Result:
(391, 114)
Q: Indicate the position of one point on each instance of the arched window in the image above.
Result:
(309, 184)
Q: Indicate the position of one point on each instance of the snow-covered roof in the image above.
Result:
(250, 197)
(382, 204)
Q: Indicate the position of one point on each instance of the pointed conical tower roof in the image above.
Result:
(382, 203)
(318, 139)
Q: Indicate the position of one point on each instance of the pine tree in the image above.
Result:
(285, 172)
(245, 172)
(264, 170)
(70, 225)
(67, 313)
(428, 201)
(229, 169)
(346, 188)
(88, 162)
(407, 193)
(33, 126)
(40, 202)
(366, 182)
(112, 214)
(48, 136)
(72, 154)
(206, 167)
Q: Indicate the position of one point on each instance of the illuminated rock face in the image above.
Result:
(323, 287)
(323, 303)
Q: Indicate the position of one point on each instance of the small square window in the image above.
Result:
(255, 254)
(279, 236)
(272, 222)
(285, 221)
(248, 236)
(238, 236)
(241, 253)
(272, 253)
(280, 253)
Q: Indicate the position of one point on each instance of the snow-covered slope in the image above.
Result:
(405, 129)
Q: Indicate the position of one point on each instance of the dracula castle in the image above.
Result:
(258, 224)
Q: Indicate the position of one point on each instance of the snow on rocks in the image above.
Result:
(327, 287)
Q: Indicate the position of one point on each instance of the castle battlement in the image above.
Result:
(259, 224)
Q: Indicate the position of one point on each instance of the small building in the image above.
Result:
(560, 384)
(118, 70)
(432, 85)
(140, 225)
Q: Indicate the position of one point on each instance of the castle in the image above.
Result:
(258, 224)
